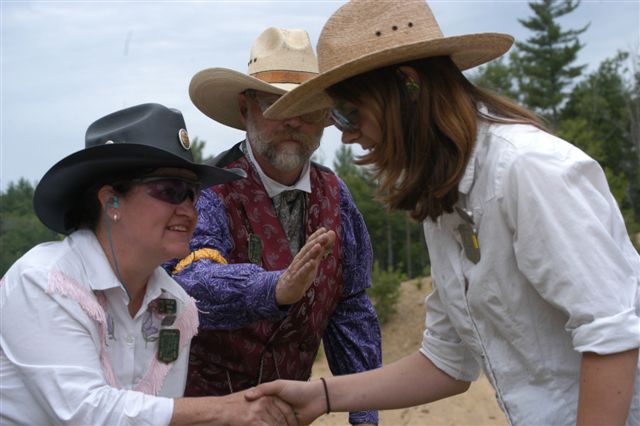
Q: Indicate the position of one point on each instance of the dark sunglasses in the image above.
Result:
(345, 117)
(265, 100)
(172, 190)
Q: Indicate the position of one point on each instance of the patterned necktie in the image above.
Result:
(289, 206)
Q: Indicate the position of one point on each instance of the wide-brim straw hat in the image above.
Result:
(133, 140)
(280, 60)
(364, 35)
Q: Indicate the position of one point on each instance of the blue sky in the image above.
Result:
(66, 63)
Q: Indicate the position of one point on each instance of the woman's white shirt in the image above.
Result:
(70, 351)
(557, 276)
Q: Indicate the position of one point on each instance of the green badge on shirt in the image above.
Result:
(168, 345)
(166, 306)
(255, 249)
(470, 245)
(469, 235)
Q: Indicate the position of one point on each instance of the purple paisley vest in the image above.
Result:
(225, 361)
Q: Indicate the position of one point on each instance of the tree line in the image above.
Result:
(599, 112)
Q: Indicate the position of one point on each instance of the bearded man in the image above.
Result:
(264, 310)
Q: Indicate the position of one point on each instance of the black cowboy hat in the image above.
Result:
(138, 138)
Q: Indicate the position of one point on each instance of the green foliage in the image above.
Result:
(343, 162)
(600, 118)
(602, 100)
(498, 76)
(542, 63)
(197, 149)
(20, 229)
(397, 241)
(426, 272)
(385, 291)
(601, 112)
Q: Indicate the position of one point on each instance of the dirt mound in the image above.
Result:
(401, 336)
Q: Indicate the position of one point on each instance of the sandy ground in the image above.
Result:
(402, 336)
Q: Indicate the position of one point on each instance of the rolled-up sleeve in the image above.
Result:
(442, 345)
(571, 244)
(352, 339)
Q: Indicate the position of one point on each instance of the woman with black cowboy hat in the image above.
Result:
(535, 279)
(93, 330)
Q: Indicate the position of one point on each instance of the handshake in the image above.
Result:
(283, 402)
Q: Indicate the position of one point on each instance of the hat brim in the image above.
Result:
(466, 51)
(67, 180)
(215, 91)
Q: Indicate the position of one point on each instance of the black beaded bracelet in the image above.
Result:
(326, 394)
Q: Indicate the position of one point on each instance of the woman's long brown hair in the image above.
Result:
(427, 141)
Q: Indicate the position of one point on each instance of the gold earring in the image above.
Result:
(412, 87)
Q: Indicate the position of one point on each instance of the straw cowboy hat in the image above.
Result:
(132, 140)
(367, 34)
(280, 60)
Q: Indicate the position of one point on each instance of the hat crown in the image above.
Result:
(366, 27)
(279, 49)
(281, 59)
(364, 35)
(151, 124)
(131, 141)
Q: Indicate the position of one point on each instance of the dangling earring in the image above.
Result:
(116, 217)
(412, 88)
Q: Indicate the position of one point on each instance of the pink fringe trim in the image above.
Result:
(60, 283)
(187, 323)
(151, 383)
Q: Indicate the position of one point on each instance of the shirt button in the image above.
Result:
(130, 339)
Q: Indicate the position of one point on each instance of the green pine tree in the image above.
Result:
(544, 61)
(498, 76)
(20, 229)
(398, 242)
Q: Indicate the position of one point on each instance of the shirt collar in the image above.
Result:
(102, 277)
(160, 282)
(94, 260)
(469, 173)
(275, 188)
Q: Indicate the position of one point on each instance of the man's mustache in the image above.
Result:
(287, 135)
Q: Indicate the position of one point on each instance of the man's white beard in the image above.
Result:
(286, 158)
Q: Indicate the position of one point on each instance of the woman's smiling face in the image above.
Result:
(155, 228)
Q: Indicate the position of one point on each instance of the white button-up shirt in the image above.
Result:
(70, 351)
(557, 275)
